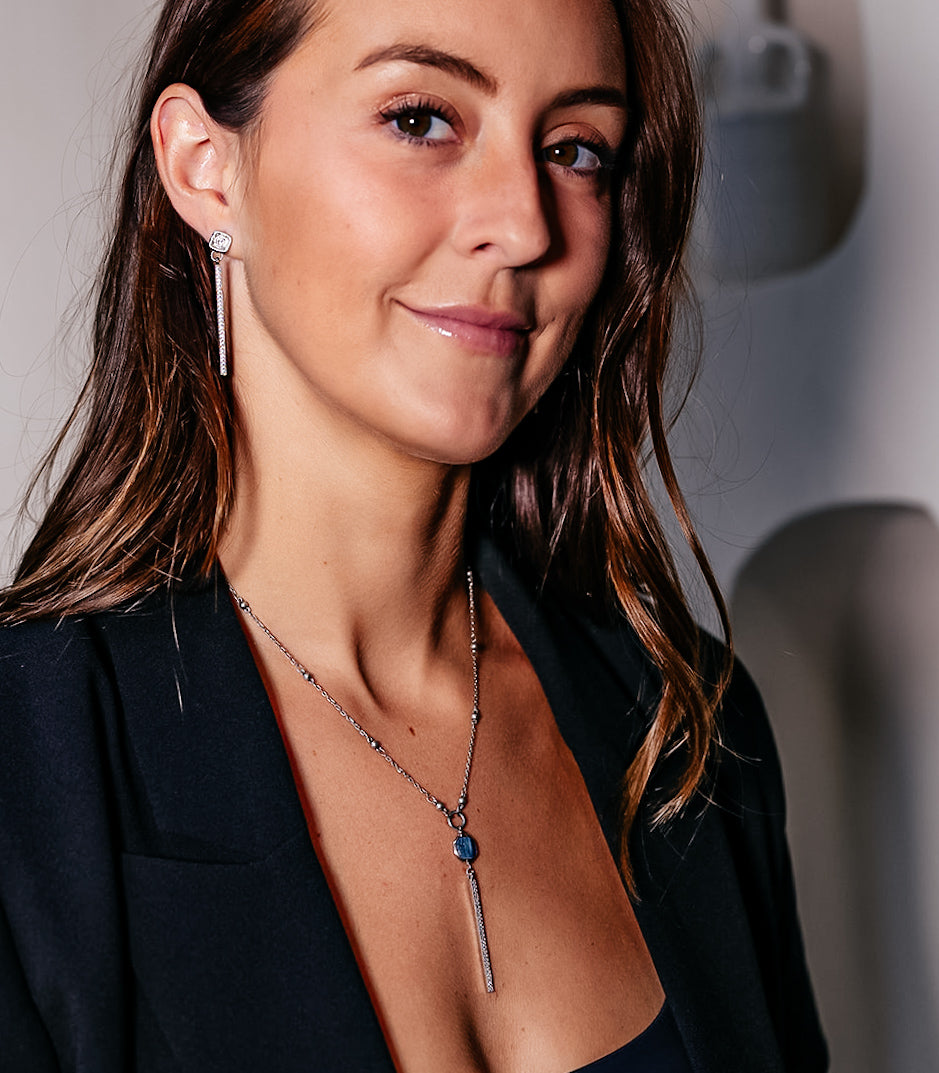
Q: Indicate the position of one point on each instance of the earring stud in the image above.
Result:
(219, 244)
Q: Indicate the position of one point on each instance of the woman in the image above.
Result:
(349, 660)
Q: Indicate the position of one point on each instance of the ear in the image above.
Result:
(197, 161)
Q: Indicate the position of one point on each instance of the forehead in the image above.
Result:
(563, 41)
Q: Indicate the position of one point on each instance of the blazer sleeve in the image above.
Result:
(62, 967)
(750, 795)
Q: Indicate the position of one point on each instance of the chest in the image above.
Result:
(573, 979)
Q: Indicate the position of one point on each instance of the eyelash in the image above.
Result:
(420, 107)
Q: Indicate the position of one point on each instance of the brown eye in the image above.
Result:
(565, 154)
(576, 156)
(417, 124)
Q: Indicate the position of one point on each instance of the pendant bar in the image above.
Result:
(220, 320)
(480, 928)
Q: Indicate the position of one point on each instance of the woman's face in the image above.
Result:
(425, 213)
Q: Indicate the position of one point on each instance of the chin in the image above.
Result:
(457, 433)
(462, 446)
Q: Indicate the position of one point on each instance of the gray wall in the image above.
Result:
(59, 63)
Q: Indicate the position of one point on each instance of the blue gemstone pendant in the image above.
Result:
(465, 848)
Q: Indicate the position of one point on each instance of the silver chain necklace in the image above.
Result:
(464, 846)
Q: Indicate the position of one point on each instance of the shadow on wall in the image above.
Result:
(836, 616)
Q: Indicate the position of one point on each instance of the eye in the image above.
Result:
(581, 157)
(421, 123)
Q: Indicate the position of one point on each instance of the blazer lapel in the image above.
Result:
(234, 934)
(601, 688)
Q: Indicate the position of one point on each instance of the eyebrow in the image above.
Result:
(605, 95)
(426, 56)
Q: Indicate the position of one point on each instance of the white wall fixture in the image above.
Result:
(766, 205)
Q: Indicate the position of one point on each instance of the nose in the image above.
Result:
(505, 209)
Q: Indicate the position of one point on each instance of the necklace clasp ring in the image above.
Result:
(456, 819)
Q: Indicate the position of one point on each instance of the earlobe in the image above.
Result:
(194, 159)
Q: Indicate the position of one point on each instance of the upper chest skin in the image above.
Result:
(573, 977)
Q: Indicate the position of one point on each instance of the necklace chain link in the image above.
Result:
(375, 744)
(464, 847)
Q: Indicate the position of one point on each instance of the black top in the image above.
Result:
(656, 1050)
(162, 907)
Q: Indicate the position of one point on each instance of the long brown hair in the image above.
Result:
(571, 484)
(149, 486)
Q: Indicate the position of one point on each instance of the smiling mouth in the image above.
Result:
(483, 330)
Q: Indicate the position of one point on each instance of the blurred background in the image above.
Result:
(808, 446)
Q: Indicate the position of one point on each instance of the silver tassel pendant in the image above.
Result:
(480, 928)
(465, 849)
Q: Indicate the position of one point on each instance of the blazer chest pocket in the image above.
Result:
(239, 966)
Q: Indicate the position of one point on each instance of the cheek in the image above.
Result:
(341, 229)
(585, 225)
(593, 234)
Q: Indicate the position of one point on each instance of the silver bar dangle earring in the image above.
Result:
(219, 245)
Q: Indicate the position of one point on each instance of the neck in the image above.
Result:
(345, 551)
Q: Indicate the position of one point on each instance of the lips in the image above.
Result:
(483, 330)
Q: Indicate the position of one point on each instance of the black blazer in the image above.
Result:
(162, 907)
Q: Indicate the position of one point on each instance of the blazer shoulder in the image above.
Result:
(56, 657)
(748, 772)
(46, 659)
(58, 878)
(743, 726)
(745, 773)
(57, 700)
